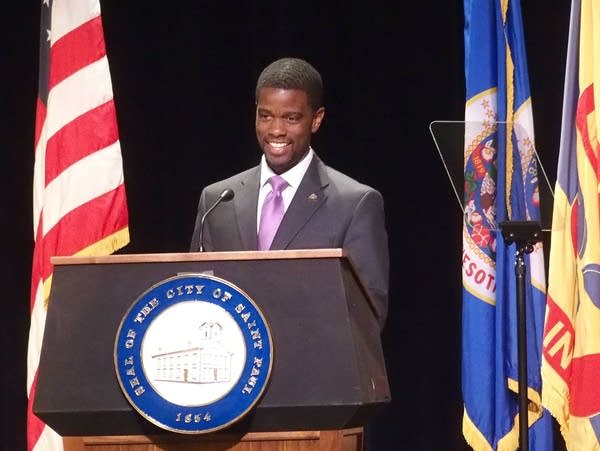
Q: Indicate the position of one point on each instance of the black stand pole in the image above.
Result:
(524, 234)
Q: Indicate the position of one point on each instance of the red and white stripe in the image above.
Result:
(79, 201)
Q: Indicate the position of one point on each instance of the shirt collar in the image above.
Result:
(292, 176)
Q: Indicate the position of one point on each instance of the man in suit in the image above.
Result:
(322, 208)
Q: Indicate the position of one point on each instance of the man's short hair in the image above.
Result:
(293, 73)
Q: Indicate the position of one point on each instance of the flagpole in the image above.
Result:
(525, 234)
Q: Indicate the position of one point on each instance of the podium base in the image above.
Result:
(330, 440)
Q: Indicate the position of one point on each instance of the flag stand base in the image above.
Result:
(525, 234)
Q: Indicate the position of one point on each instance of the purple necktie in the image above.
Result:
(272, 213)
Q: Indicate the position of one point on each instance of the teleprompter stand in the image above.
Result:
(450, 138)
(524, 234)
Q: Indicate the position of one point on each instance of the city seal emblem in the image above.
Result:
(193, 354)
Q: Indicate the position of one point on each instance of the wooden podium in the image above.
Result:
(327, 381)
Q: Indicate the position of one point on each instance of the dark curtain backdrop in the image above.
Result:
(183, 77)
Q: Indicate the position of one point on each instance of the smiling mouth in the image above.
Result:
(277, 147)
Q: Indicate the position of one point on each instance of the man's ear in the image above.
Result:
(317, 119)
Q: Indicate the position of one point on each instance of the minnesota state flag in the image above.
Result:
(500, 184)
(571, 364)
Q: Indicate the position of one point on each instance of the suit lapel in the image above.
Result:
(308, 198)
(246, 199)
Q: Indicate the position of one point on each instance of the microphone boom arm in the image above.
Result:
(225, 196)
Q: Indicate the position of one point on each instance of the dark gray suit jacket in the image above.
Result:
(329, 210)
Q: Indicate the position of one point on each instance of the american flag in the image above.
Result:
(79, 201)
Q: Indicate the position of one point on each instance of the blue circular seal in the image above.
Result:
(193, 354)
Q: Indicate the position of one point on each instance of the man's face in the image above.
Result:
(284, 125)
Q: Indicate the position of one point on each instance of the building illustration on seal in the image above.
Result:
(200, 360)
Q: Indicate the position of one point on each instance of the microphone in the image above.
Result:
(225, 196)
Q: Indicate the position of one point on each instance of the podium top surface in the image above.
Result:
(201, 256)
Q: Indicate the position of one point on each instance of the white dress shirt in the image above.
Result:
(293, 177)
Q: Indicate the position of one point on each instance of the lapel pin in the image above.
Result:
(312, 196)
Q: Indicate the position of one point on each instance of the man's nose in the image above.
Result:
(277, 127)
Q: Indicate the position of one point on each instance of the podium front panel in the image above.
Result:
(328, 369)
